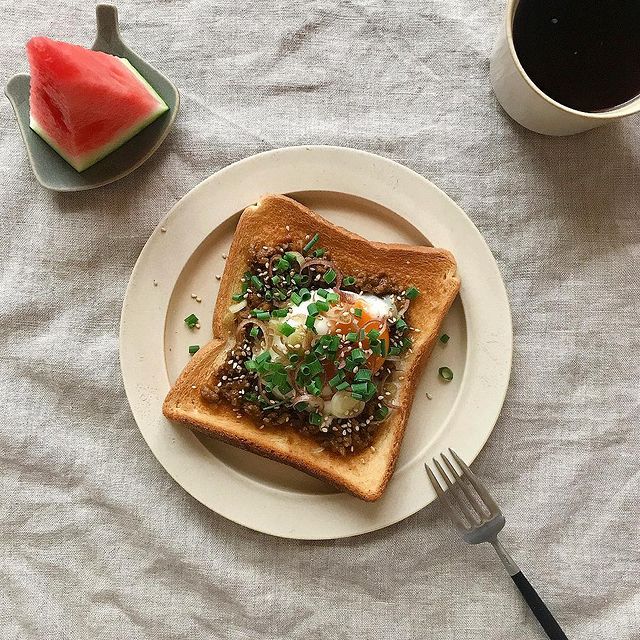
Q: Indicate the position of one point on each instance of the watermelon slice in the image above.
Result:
(86, 103)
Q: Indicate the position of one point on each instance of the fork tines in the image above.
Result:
(465, 498)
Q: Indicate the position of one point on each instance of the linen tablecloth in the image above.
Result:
(96, 539)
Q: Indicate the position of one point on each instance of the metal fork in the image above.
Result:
(478, 518)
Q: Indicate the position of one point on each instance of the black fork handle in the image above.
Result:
(539, 608)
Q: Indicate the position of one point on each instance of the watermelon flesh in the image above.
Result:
(85, 103)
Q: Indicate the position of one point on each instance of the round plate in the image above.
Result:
(380, 200)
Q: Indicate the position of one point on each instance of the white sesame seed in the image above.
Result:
(163, 229)
(224, 256)
(194, 386)
(155, 283)
(218, 277)
(372, 448)
(380, 397)
(194, 296)
(198, 299)
(197, 325)
(429, 396)
(307, 237)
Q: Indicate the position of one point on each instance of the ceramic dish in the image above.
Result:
(55, 173)
(381, 200)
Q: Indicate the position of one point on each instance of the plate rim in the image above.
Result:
(323, 155)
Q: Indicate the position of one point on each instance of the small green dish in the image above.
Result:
(50, 169)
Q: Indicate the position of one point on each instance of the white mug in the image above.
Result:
(527, 104)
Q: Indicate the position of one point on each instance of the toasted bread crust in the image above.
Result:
(366, 474)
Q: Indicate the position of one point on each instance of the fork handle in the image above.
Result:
(539, 608)
(535, 602)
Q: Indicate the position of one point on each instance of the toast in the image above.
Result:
(366, 472)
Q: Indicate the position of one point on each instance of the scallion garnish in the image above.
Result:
(322, 293)
(293, 358)
(332, 297)
(374, 334)
(282, 265)
(237, 297)
(310, 322)
(444, 338)
(401, 325)
(194, 348)
(261, 315)
(352, 336)
(276, 279)
(254, 332)
(342, 386)
(357, 355)
(307, 247)
(329, 276)
(280, 313)
(296, 298)
(312, 309)
(363, 375)
(357, 312)
(412, 293)
(445, 373)
(322, 305)
(286, 329)
(250, 365)
(348, 281)
(191, 321)
(357, 396)
(319, 253)
(381, 413)
(315, 419)
(257, 283)
(305, 294)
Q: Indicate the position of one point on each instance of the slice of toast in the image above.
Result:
(273, 218)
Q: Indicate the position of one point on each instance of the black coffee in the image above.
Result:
(584, 54)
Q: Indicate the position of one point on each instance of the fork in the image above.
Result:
(478, 519)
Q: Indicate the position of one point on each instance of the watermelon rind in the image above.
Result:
(82, 162)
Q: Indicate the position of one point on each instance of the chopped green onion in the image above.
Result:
(305, 294)
(268, 295)
(412, 293)
(254, 332)
(315, 387)
(352, 336)
(322, 293)
(286, 329)
(282, 265)
(193, 348)
(296, 298)
(357, 355)
(359, 387)
(265, 356)
(445, 373)
(342, 386)
(256, 282)
(363, 375)
(357, 396)
(309, 245)
(312, 309)
(329, 276)
(395, 351)
(383, 347)
(293, 358)
(348, 281)
(322, 306)
(276, 279)
(374, 334)
(250, 365)
(332, 297)
(310, 322)
(297, 278)
(381, 413)
(401, 325)
(315, 419)
(357, 312)
(191, 321)
(291, 257)
(237, 297)
(407, 343)
(261, 315)
(444, 338)
(280, 313)
(337, 379)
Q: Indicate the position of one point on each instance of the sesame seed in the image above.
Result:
(372, 448)
(224, 256)
(194, 296)
(197, 325)
(198, 299)
(307, 237)
(218, 277)
(429, 396)
(224, 377)
(287, 228)
(380, 397)
(194, 386)
(155, 283)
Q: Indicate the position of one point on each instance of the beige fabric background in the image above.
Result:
(97, 541)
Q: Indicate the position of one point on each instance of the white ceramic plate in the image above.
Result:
(381, 200)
